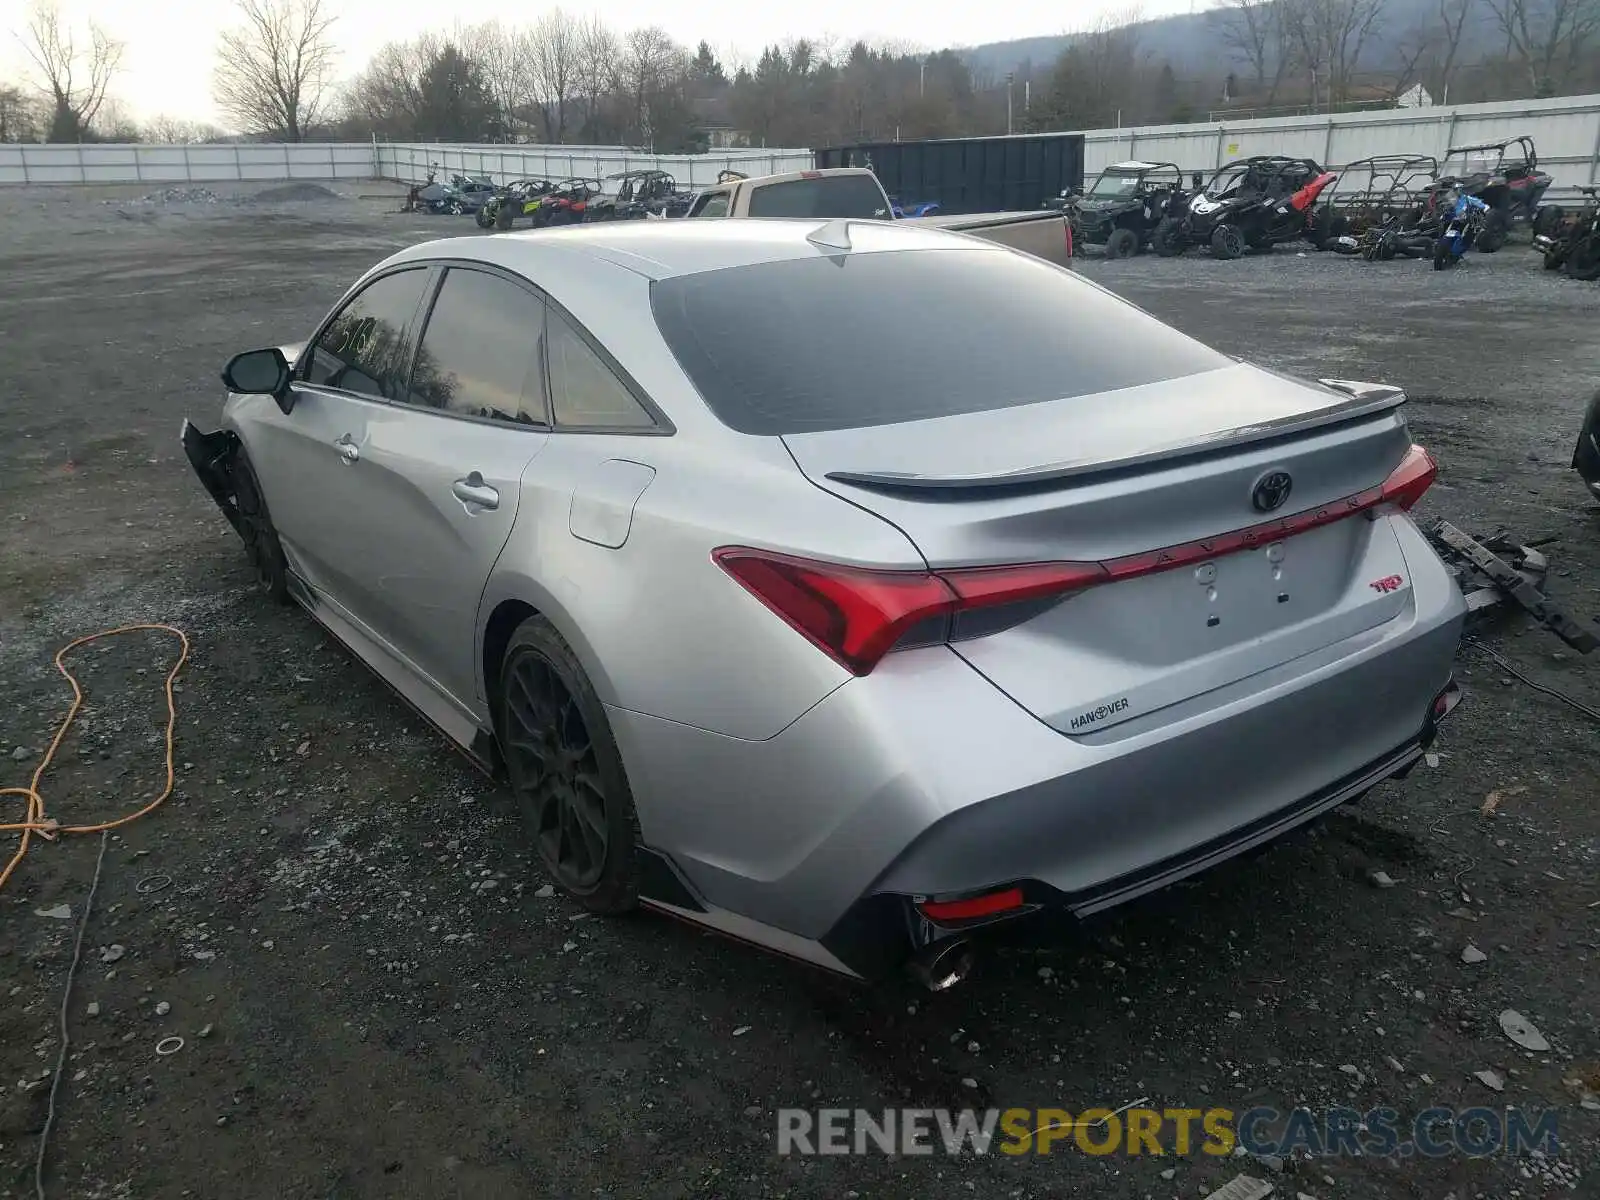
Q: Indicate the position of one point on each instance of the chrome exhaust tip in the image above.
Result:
(942, 965)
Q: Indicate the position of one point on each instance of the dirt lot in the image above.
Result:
(340, 920)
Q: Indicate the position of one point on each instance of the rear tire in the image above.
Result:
(1443, 260)
(565, 772)
(1122, 243)
(484, 218)
(1496, 229)
(1168, 240)
(1227, 242)
(1584, 262)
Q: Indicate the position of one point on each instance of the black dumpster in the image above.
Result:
(970, 175)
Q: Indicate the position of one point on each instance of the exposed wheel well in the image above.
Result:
(507, 615)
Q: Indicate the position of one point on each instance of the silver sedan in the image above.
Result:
(847, 587)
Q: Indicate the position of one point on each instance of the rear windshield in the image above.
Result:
(825, 198)
(853, 340)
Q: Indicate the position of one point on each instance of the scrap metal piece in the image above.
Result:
(1505, 580)
(1242, 1187)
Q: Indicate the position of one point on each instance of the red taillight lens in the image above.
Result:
(856, 614)
(973, 906)
(1414, 476)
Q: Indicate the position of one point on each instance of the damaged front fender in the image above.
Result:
(212, 456)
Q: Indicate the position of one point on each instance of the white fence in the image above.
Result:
(1566, 131)
(183, 164)
(407, 163)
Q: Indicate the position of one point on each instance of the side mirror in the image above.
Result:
(260, 373)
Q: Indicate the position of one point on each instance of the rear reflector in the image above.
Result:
(856, 615)
(973, 906)
(1411, 478)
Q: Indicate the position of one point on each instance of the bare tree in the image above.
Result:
(1451, 16)
(163, 130)
(599, 67)
(74, 78)
(1547, 37)
(1331, 36)
(274, 68)
(649, 57)
(553, 51)
(498, 51)
(1252, 30)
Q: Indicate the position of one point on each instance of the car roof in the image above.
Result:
(661, 249)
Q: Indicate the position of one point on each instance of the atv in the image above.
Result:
(514, 201)
(1125, 205)
(1250, 204)
(1505, 176)
(1372, 197)
(639, 194)
(567, 203)
(1571, 241)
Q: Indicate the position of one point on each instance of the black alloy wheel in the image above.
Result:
(565, 772)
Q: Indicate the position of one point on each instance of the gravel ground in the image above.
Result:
(378, 998)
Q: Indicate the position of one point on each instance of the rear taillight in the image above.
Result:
(856, 615)
(1414, 476)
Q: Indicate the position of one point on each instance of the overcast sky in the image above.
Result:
(171, 43)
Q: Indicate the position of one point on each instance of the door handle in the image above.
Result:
(347, 448)
(473, 490)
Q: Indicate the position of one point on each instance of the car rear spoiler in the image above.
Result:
(1365, 400)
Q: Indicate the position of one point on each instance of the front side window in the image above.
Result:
(365, 348)
(480, 351)
(585, 391)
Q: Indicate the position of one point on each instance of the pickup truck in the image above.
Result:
(855, 193)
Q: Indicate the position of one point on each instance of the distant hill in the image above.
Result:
(1194, 45)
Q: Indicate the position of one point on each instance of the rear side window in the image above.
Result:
(714, 205)
(480, 351)
(586, 392)
(853, 340)
(824, 199)
(365, 348)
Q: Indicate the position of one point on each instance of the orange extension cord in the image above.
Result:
(37, 822)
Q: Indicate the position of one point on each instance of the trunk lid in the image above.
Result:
(1118, 475)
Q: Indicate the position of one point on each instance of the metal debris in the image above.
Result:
(1498, 569)
(1521, 1031)
(1242, 1187)
(1490, 1080)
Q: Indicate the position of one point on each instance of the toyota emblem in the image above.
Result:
(1271, 490)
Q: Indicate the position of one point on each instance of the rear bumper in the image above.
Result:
(923, 780)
